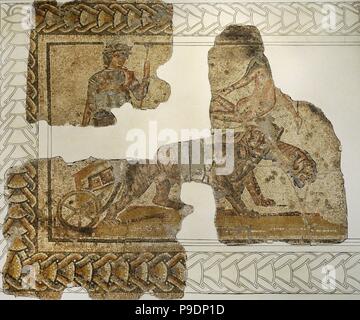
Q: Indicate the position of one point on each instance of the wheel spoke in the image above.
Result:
(70, 207)
(82, 213)
(69, 216)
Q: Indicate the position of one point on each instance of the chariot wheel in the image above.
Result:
(79, 210)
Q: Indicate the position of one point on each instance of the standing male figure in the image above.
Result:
(111, 87)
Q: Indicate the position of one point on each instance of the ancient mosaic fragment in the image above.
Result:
(89, 57)
(106, 226)
(287, 183)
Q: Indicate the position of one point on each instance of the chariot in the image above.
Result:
(85, 207)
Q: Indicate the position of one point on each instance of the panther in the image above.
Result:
(250, 148)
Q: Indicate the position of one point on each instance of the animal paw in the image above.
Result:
(264, 202)
(169, 204)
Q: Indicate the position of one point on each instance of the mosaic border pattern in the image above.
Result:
(271, 18)
(273, 273)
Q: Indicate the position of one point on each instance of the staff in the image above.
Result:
(146, 69)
